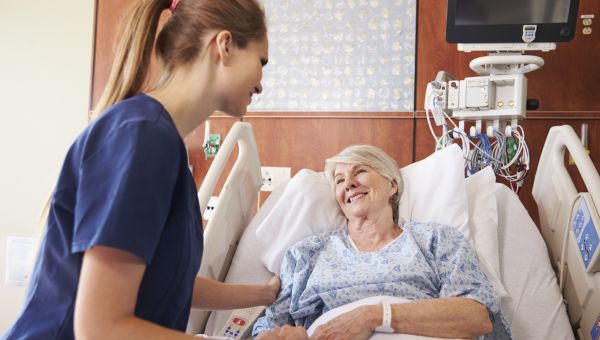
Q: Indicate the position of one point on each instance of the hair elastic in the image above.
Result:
(174, 4)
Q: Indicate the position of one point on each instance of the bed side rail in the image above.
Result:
(233, 211)
(554, 193)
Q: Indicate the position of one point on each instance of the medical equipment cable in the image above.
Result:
(496, 156)
(484, 151)
(455, 129)
(467, 138)
(499, 150)
(427, 111)
(520, 160)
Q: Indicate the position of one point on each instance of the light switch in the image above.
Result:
(18, 258)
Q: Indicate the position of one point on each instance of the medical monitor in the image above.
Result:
(510, 21)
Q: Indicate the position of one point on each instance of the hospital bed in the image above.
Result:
(533, 303)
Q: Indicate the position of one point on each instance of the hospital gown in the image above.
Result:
(427, 261)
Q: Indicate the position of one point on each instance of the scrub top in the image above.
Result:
(125, 184)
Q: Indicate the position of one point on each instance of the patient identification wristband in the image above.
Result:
(386, 324)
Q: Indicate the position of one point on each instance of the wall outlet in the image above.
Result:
(19, 257)
(210, 207)
(273, 176)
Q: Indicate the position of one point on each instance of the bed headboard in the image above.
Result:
(554, 193)
(234, 208)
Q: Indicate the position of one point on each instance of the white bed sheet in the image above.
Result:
(533, 307)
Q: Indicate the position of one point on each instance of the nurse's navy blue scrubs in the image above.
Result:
(125, 184)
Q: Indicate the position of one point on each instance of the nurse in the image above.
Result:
(123, 241)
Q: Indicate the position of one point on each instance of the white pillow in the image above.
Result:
(306, 207)
(434, 191)
(483, 220)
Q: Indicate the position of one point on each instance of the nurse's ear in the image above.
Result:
(224, 46)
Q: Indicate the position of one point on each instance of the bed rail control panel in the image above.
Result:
(240, 322)
(596, 329)
(585, 224)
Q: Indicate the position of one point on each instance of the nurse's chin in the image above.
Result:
(233, 112)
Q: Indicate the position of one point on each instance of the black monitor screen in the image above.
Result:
(491, 21)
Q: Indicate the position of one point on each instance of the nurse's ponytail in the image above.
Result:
(179, 43)
(130, 68)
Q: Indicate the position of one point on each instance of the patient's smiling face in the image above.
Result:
(361, 191)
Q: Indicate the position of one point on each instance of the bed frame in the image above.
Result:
(554, 193)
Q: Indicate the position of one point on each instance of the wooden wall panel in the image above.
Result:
(306, 142)
(567, 82)
(109, 15)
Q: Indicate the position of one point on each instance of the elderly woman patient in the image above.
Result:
(431, 265)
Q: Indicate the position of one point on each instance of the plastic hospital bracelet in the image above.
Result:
(386, 324)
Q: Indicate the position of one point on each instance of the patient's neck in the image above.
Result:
(369, 235)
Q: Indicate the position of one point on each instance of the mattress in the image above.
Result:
(534, 306)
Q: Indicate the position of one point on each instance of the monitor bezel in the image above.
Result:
(473, 34)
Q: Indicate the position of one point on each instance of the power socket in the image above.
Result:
(273, 176)
(210, 207)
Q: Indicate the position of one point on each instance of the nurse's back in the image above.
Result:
(135, 194)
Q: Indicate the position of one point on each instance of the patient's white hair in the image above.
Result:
(374, 158)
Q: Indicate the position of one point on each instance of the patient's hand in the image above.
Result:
(286, 332)
(354, 325)
(273, 289)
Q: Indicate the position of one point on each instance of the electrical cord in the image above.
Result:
(478, 150)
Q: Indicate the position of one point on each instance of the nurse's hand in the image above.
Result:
(286, 332)
(272, 289)
(353, 325)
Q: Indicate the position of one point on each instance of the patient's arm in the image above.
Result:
(446, 318)
(278, 314)
(213, 295)
(453, 317)
(286, 332)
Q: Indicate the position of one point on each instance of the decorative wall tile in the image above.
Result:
(339, 55)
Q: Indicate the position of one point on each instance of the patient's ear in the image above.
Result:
(394, 188)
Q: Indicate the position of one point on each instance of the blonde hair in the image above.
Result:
(179, 42)
(374, 158)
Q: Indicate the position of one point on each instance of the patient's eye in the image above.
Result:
(339, 180)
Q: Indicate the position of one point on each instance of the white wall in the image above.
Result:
(45, 71)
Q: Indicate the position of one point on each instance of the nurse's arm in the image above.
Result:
(214, 295)
(106, 298)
